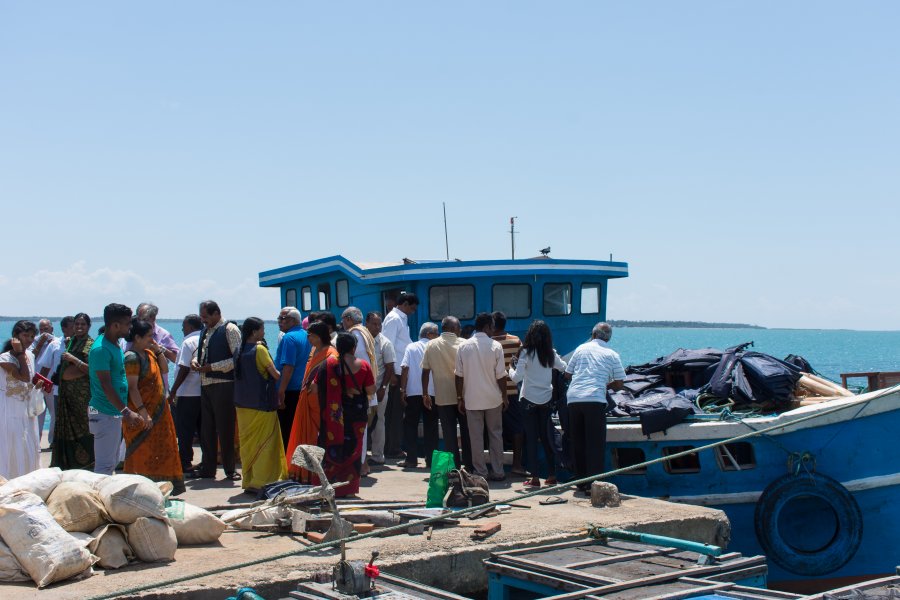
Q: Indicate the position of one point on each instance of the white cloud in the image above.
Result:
(78, 288)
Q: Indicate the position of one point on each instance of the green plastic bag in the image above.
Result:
(439, 482)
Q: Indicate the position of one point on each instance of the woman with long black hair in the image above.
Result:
(256, 401)
(73, 443)
(534, 369)
(20, 448)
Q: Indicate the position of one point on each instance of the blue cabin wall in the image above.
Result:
(568, 330)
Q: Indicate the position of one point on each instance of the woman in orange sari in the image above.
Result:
(307, 418)
(151, 450)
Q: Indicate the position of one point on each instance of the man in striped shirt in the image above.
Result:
(513, 425)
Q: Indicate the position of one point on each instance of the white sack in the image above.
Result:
(41, 483)
(10, 569)
(82, 476)
(111, 546)
(152, 540)
(192, 524)
(77, 507)
(43, 548)
(264, 518)
(129, 497)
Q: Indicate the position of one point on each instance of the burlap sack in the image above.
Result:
(111, 546)
(129, 497)
(44, 549)
(192, 524)
(152, 540)
(77, 507)
(41, 483)
(10, 569)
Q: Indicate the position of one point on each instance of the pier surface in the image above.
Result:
(450, 559)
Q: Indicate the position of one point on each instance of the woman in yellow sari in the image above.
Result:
(151, 449)
(255, 377)
(307, 418)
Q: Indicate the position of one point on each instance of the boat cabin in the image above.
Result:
(570, 295)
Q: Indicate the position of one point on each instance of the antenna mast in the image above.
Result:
(512, 235)
(446, 237)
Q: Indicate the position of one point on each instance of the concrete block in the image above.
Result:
(605, 495)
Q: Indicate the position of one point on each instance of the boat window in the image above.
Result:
(342, 292)
(689, 463)
(456, 300)
(290, 297)
(625, 457)
(324, 296)
(590, 298)
(514, 299)
(738, 456)
(306, 296)
(557, 299)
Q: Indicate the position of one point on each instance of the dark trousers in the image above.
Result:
(393, 422)
(187, 422)
(537, 423)
(286, 415)
(415, 410)
(587, 425)
(449, 417)
(217, 417)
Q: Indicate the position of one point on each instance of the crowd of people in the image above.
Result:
(359, 389)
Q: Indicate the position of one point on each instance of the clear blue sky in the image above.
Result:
(742, 157)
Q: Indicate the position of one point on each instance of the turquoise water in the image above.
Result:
(830, 351)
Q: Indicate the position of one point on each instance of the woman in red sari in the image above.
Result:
(307, 418)
(343, 388)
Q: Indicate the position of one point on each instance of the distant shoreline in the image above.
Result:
(683, 324)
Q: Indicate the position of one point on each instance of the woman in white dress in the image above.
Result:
(20, 449)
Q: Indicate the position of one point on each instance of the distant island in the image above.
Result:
(683, 324)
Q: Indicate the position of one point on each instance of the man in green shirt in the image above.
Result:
(109, 391)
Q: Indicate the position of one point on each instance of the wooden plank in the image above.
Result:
(534, 577)
(614, 559)
(531, 549)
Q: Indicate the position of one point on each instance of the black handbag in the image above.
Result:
(466, 489)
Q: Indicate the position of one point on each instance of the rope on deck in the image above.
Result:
(559, 487)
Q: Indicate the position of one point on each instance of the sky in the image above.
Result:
(742, 157)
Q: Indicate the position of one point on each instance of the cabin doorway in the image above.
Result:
(389, 299)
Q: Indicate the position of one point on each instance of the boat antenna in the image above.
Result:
(512, 235)
(446, 237)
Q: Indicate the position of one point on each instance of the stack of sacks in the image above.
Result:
(88, 519)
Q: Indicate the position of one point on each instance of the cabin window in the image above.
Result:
(342, 292)
(324, 290)
(456, 300)
(590, 298)
(290, 297)
(514, 299)
(626, 457)
(557, 299)
(689, 463)
(738, 456)
(306, 297)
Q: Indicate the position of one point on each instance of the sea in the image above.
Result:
(830, 351)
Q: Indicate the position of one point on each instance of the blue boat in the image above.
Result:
(819, 498)
(569, 294)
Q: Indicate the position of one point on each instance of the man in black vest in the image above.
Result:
(219, 340)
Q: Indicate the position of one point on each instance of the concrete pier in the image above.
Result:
(450, 559)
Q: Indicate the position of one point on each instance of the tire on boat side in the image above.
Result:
(808, 524)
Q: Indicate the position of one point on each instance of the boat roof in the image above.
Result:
(410, 270)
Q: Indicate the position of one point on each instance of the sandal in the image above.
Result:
(234, 476)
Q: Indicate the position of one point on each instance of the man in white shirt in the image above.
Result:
(396, 329)
(47, 364)
(416, 406)
(593, 368)
(185, 393)
(385, 359)
(481, 393)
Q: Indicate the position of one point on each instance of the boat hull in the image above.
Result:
(809, 529)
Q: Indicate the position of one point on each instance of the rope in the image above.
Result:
(518, 497)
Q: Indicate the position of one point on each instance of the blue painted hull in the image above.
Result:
(854, 446)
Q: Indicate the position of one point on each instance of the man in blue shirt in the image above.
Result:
(109, 391)
(290, 359)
